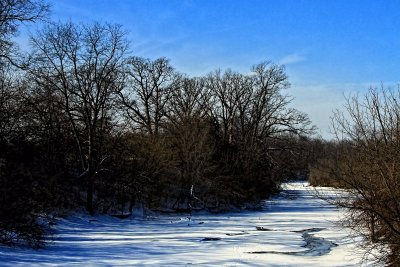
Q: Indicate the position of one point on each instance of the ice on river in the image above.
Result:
(293, 229)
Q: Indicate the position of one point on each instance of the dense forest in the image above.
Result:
(85, 125)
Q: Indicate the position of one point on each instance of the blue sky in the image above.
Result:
(329, 48)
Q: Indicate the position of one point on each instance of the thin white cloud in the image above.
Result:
(320, 100)
(291, 59)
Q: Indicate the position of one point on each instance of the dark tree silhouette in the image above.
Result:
(84, 65)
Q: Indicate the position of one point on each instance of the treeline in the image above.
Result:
(365, 159)
(84, 124)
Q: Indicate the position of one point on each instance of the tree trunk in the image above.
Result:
(89, 195)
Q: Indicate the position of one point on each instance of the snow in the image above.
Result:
(293, 229)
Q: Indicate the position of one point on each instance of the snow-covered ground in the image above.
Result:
(293, 229)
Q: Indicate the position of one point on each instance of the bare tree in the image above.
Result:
(9, 103)
(270, 112)
(188, 131)
(12, 14)
(231, 93)
(189, 98)
(255, 104)
(84, 65)
(254, 125)
(147, 92)
(369, 134)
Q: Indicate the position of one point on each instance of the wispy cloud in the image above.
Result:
(291, 59)
(319, 100)
(152, 46)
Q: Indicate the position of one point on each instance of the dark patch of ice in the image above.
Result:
(260, 228)
(316, 246)
(121, 216)
(235, 234)
(313, 230)
(206, 239)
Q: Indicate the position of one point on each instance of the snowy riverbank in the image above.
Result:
(293, 229)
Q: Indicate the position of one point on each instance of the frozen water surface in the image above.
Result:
(293, 229)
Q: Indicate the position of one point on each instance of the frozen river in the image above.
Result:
(293, 229)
